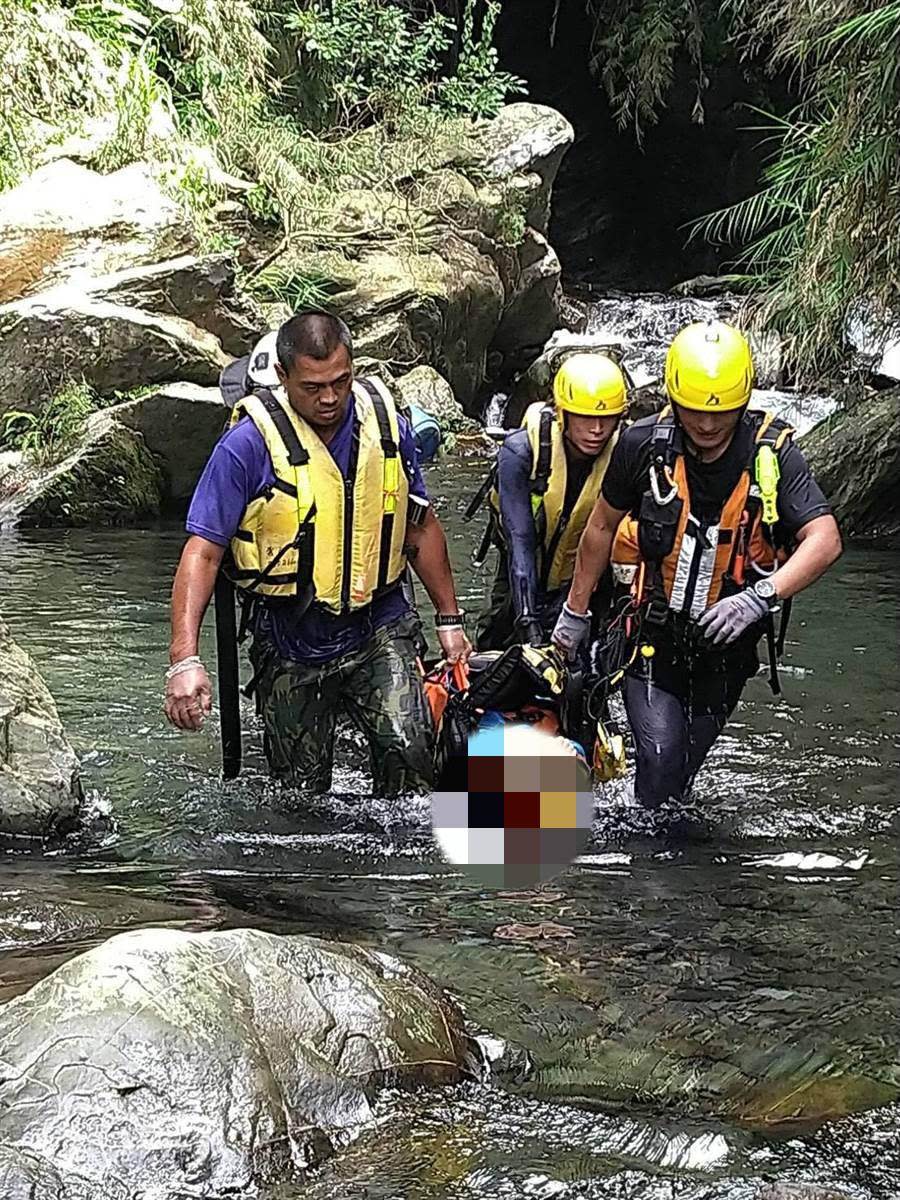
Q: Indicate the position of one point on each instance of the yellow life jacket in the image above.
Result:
(312, 528)
(694, 564)
(558, 532)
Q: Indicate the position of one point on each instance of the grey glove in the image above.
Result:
(729, 618)
(570, 630)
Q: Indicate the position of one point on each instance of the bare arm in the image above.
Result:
(431, 562)
(594, 550)
(189, 693)
(818, 546)
(191, 594)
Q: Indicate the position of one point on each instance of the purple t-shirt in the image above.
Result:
(240, 469)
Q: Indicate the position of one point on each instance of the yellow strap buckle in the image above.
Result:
(768, 473)
(391, 484)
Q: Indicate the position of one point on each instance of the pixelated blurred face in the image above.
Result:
(517, 809)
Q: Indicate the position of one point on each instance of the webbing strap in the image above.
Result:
(545, 452)
(390, 485)
(296, 454)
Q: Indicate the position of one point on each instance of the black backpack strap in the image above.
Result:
(297, 456)
(545, 452)
(390, 449)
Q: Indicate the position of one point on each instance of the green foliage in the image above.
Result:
(54, 78)
(636, 46)
(824, 229)
(359, 59)
(363, 59)
(297, 289)
(478, 87)
(48, 436)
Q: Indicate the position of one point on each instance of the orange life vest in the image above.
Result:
(691, 561)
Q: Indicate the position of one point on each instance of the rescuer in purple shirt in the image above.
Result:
(313, 503)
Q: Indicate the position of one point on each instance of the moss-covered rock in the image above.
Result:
(110, 479)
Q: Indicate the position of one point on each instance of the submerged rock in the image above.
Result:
(205, 1064)
(40, 790)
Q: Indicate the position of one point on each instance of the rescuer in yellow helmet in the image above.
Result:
(542, 488)
(712, 521)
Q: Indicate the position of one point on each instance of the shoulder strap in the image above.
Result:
(297, 455)
(390, 475)
(665, 442)
(545, 452)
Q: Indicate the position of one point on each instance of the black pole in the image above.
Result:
(229, 677)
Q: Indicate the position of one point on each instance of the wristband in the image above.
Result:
(184, 664)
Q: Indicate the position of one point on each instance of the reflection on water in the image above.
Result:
(693, 1006)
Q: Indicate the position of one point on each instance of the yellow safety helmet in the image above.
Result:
(709, 366)
(589, 385)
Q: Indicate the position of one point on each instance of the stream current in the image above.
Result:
(699, 1011)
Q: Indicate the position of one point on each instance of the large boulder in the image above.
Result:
(855, 455)
(47, 340)
(68, 224)
(40, 791)
(199, 290)
(109, 478)
(179, 423)
(474, 278)
(168, 1063)
(441, 308)
(527, 139)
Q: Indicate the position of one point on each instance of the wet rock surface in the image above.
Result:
(40, 787)
(110, 478)
(211, 1063)
(856, 457)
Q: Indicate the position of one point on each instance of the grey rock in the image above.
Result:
(40, 790)
(166, 1063)
(109, 478)
(180, 423)
(432, 393)
(199, 290)
(855, 455)
(68, 224)
(62, 334)
(527, 138)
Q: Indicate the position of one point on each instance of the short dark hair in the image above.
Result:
(312, 333)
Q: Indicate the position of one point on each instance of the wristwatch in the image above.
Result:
(765, 589)
(450, 620)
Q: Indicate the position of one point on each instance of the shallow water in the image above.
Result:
(704, 1000)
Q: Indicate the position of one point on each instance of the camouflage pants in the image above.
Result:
(378, 686)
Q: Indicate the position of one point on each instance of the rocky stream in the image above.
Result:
(707, 1012)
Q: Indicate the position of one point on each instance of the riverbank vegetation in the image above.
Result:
(273, 111)
(822, 232)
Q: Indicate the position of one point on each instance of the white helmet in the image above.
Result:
(261, 369)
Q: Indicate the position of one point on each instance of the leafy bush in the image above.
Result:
(363, 59)
(824, 230)
(48, 436)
